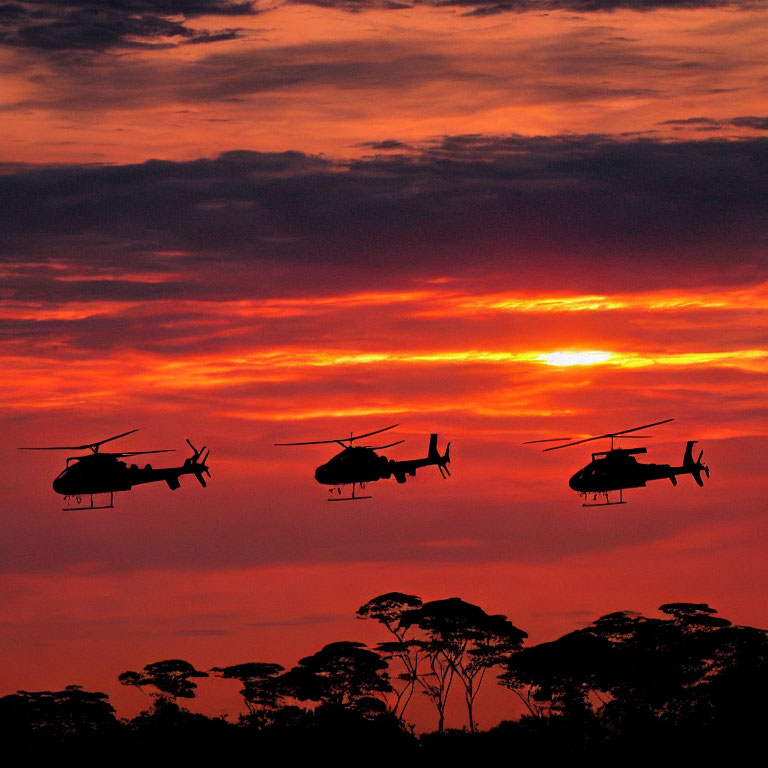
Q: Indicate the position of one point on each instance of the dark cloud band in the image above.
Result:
(752, 122)
(93, 26)
(89, 25)
(634, 206)
(486, 7)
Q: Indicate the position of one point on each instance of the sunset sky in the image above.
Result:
(245, 223)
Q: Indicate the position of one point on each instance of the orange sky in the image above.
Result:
(325, 80)
(495, 226)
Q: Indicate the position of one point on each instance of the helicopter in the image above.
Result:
(360, 464)
(618, 469)
(101, 473)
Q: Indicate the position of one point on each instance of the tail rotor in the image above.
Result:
(442, 463)
(434, 457)
(694, 467)
(196, 462)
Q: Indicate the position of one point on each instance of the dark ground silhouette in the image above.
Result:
(686, 686)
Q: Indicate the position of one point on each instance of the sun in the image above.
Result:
(575, 357)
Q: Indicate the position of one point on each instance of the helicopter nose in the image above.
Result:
(577, 481)
(61, 485)
(321, 474)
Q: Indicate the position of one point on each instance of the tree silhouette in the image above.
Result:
(694, 615)
(662, 669)
(735, 706)
(690, 672)
(341, 673)
(687, 684)
(559, 677)
(39, 727)
(58, 714)
(171, 678)
(462, 641)
(388, 610)
(260, 690)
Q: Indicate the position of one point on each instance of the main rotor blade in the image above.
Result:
(138, 453)
(92, 446)
(609, 434)
(547, 440)
(342, 439)
(381, 447)
(110, 439)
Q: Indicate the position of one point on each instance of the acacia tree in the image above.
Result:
(662, 666)
(171, 678)
(638, 674)
(462, 641)
(260, 689)
(559, 677)
(491, 640)
(344, 674)
(388, 610)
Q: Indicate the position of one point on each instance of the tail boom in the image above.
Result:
(402, 468)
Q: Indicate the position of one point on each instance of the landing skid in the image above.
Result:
(605, 495)
(79, 500)
(349, 498)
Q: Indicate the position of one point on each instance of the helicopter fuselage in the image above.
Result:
(354, 465)
(618, 469)
(98, 473)
(101, 473)
(359, 464)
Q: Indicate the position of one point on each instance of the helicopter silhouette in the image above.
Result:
(101, 473)
(617, 469)
(360, 464)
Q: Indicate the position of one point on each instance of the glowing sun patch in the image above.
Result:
(570, 357)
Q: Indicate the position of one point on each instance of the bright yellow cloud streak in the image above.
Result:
(748, 359)
(750, 297)
(146, 373)
(442, 302)
(298, 358)
(568, 358)
(49, 373)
